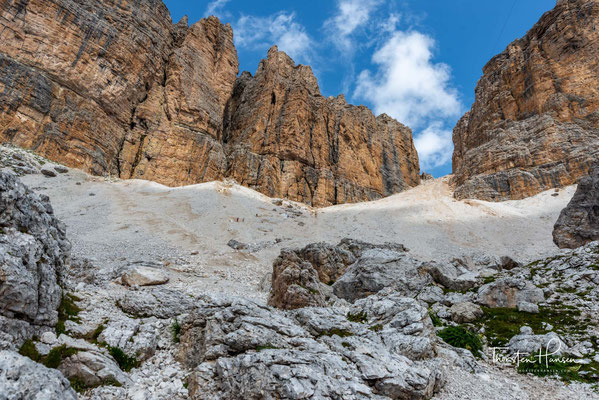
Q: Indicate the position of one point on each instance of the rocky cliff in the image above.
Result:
(578, 223)
(535, 122)
(115, 88)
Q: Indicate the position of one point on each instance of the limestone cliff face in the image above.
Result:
(72, 72)
(535, 122)
(115, 88)
(175, 134)
(286, 140)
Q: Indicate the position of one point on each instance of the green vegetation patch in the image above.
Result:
(458, 336)
(125, 362)
(336, 332)
(266, 347)
(176, 331)
(57, 355)
(52, 360)
(360, 317)
(501, 324)
(567, 371)
(28, 350)
(435, 318)
(79, 386)
(67, 311)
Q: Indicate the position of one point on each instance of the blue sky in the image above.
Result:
(416, 60)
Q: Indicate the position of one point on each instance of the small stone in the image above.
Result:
(526, 330)
(61, 169)
(525, 306)
(236, 245)
(48, 338)
(46, 171)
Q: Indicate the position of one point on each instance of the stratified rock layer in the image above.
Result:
(115, 88)
(578, 223)
(535, 122)
(289, 141)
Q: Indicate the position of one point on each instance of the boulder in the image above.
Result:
(525, 306)
(377, 269)
(465, 312)
(527, 343)
(295, 283)
(578, 223)
(509, 292)
(157, 302)
(303, 277)
(22, 378)
(454, 275)
(144, 276)
(93, 368)
(48, 171)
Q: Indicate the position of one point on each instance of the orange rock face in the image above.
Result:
(72, 72)
(535, 122)
(115, 88)
(286, 140)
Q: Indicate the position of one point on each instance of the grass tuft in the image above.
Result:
(360, 317)
(458, 336)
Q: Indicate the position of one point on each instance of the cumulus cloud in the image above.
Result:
(350, 15)
(434, 146)
(410, 87)
(281, 29)
(216, 8)
(407, 84)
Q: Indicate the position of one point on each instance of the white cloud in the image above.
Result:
(407, 84)
(215, 7)
(280, 29)
(351, 15)
(410, 87)
(435, 146)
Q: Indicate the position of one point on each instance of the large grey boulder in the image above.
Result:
(24, 379)
(239, 349)
(378, 269)
(34, 252)
(453, 275)
(156, 302)
(144, 276)
(302, 277)
(509, 292)
(578, 223)
(93, 368)
(465, 312)
(527, 343)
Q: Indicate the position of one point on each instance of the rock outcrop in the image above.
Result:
(22, 378)
(578, 223)
(239, 349)
(303, 277)
(117, 89)
(34, 252)
(535, 122)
